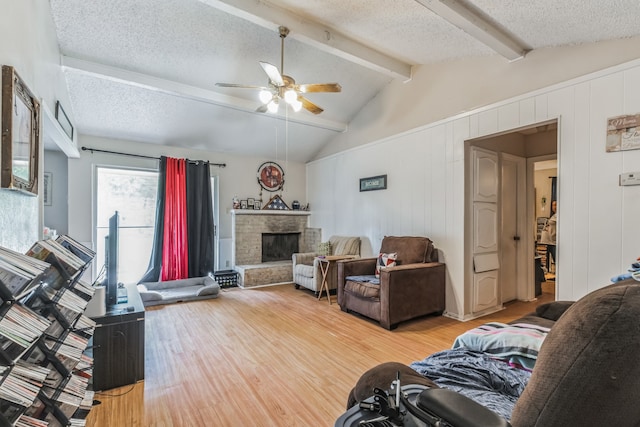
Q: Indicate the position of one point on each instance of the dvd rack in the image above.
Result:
(44, 371)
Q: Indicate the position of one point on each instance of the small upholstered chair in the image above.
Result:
(414, 287)
(306, 268)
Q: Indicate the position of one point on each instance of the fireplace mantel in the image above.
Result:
(267, 212)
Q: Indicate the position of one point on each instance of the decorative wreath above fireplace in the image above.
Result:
(270, 176)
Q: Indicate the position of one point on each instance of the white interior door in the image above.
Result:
(486, 265)
(509, 237)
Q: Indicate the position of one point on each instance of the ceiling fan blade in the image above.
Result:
(273, 73)
(262, 109)
(308, 105)
(241, 86)
(319, 87)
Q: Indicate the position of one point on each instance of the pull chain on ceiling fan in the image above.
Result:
(282, 87)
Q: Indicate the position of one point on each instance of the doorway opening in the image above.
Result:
(509, 161)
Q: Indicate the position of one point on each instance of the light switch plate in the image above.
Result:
(630, 178)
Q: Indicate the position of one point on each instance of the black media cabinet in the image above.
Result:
(118, 344)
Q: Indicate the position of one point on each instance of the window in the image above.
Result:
(133, 193)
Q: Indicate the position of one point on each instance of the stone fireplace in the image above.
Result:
(249, 227)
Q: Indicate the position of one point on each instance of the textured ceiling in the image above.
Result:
(146, 70)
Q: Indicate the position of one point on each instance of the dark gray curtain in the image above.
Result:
(155, 263)
(200, 227)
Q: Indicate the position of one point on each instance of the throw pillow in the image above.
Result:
(384, 261)
(324, 248)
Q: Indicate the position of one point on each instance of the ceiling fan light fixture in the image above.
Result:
(282, 88)
(272, 106)
(296, 105)
(291, 96)
(265, 96)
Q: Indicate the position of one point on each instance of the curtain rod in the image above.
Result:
(96, 150)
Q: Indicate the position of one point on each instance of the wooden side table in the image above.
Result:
(325, 264)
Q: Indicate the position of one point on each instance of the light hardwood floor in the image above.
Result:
(272, 356)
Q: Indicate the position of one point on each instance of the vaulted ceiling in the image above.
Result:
(146, 70)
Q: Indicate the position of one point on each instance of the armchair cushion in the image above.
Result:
(410, 250)
(364, 289)
(341, 245)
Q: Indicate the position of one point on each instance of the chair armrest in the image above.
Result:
(357, 266)
(303, 258)
(457, 409)
(408, 269)
(411, 290)
(553, 310)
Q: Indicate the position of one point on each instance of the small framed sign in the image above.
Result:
(373, 183)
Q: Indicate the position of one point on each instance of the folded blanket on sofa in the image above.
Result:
(517, 343)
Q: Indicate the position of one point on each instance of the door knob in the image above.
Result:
(516, 238)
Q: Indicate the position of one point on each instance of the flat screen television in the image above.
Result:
(111, 261)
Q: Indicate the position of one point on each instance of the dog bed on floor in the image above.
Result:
(171, 291)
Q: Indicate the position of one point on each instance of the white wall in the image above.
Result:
(237, 178)
(441, 90)
(426, 191)
(56, 215)
(28, 43)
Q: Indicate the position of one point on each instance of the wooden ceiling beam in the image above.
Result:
(314, 34)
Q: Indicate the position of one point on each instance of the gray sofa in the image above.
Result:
(196, 288)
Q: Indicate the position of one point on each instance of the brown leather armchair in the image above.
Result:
(413, 288)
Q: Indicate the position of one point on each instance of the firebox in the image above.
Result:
(279, 246)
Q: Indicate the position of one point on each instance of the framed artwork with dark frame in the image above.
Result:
(373, 183)
(64, 121)
(47, 189)
(20, 134)
(251, 202)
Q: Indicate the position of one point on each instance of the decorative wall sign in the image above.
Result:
(623, 133)
(373, 183)
(270, 176)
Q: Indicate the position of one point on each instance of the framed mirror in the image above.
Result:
(20, 134)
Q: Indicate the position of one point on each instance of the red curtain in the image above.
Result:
(175, 259)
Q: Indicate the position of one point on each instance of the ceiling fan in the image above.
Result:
(284, 88)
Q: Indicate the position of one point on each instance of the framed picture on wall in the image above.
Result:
(20, 134)
(64, 121)
(47, 188)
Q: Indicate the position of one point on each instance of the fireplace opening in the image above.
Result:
(279, 246)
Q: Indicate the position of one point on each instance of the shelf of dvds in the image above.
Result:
(44, 369)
